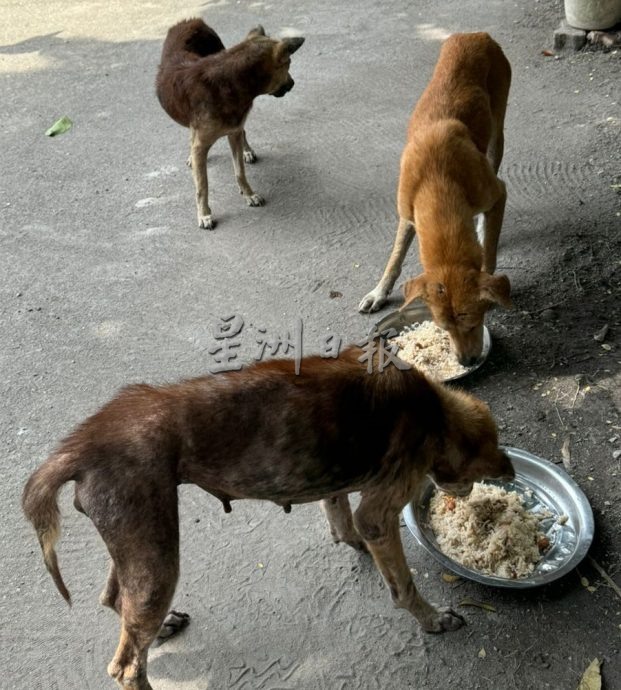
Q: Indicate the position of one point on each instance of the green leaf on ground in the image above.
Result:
(59, 127)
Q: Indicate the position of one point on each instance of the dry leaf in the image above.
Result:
(592, 678)
(566, 453)
(547, 53)
(482, 653)
(479, 604)
(449, 577)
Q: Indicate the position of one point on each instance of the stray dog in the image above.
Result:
(209, 89)
(261, 433)
(448, 175)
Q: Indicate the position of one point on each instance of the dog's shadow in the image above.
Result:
(33, 44)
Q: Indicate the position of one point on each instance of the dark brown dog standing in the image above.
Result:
(210, 89)
(261, 433)
(448, 175)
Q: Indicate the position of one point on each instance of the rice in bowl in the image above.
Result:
(428, 348)
(489, 531)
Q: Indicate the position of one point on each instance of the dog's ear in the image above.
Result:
(287, 46)
(495, 289)
(257, 31)
(415, 288)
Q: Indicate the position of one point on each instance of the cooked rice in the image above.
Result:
(489, 531)
(428, 348)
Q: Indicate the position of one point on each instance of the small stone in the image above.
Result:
(549, 315)
(600, 336)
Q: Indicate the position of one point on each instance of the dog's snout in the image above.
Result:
(286, 87)
(508, 471)
(468, 360)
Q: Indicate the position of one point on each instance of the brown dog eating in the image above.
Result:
(210, 89)
(263, 433)
(448, 175)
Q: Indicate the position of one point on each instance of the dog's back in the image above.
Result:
(470, 84)
(190, 39)
(186, 42)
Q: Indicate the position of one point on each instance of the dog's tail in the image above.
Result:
(41, 508)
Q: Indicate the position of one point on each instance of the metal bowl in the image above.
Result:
(542, 487)
(418, 313)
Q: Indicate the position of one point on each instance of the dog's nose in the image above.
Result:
(285, 88)
(508, 471)
(468, 361)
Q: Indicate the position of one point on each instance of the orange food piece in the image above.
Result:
(450, 502)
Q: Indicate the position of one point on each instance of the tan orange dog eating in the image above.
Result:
(449, 175)
(262, 433)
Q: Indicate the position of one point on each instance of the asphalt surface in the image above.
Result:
(105, 280)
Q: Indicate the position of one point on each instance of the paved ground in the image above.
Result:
(106, 280)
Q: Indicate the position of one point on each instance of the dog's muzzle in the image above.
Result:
(461, 489)
(287, 86)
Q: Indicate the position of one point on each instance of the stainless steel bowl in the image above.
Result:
(418, 313)
(542, 486)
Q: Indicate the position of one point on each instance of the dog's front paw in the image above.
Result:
(443, 620)
(255, 200)
(174, 622)
(206, 222)
(372, 302)
(250, 156)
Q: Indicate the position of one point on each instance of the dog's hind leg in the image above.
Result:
(236, 141)
(110, 596)
(376, 298)
(377, 521)
(338, 513)
(493, 225)
(199, 149)
(249, 155)
(188, 162)
(146, 585)
(139, 524)
(496, 148)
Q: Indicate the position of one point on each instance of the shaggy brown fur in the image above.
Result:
(448, 175)
(210, 89)
(261, 433)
